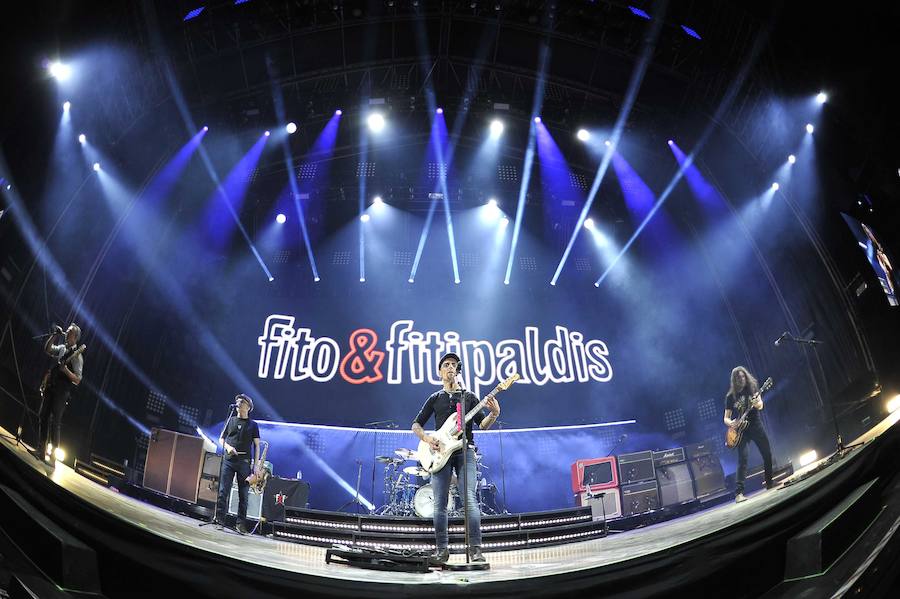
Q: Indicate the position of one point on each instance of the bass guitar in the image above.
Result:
(48, 381)
(733, 435)
(451, 436)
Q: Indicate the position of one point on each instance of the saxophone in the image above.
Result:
(260, 476)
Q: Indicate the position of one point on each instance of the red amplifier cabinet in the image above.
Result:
(595, 474)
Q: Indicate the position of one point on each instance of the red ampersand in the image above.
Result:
(362, 364)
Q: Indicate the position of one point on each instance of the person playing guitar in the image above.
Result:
(56, 388)
(744, 398)
(442, 404)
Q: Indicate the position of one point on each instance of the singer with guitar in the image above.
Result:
(57, 386)
(443, 404)
(744, 399)
(237, 438)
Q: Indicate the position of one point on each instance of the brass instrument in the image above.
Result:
(260, 476)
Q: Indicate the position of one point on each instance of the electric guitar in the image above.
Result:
(47, 382)
(733, 435)
(450, 435)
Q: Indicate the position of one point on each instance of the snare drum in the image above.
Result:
(423, 503)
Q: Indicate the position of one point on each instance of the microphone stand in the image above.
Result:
(231, 410)
(502, 464)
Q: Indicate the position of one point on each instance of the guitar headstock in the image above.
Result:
(504, 385)
(767, 384)
(80, 349)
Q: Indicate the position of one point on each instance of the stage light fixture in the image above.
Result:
(362, 279)
(67, 105)
(810, 128)
(670, 142)
(267, 133)
(589, 224)
(492, 202)
(271, 278)
(440, 111)
(316, 279)
(339, 112)
(60, 454)
(583, 134)
(376, 122)
(537, 120)
(59, 71)
(410, 280)
(97, 166)
(205, 128)
(607, 143)
(364, 218)
(456, 281)
(82, 139)
(291, 128)
(496, 129)
(193, 14)
(377, 201)
(821, 97)
(893, 404)
(281, 219)
(639, 13)
(775, 186)
(807, 458)
(792, 159)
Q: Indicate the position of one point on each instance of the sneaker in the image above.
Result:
(242, 528)
(439, 557)
(475, 554)
(739, 498)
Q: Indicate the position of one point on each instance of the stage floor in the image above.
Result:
(505, 566)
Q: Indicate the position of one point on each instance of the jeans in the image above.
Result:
(50, 418)
(230, 467)
(440, 482)
(757, 434)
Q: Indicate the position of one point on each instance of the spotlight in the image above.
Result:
(893, 404)
(271, 278)
(504, 222)
(583, 134)
(267, 134)
(589, 224)
(82, 139)
(60, 454)
(456, 281)
(410, 280)
(607, 143)
(496, 128)
(807, 458)
(537, 119)
(364, 218)
(792, 159)
(376, 122)
(492, 203)
(821, 97)
(338, 112)
(281, 219)
(362, 279)
(440, 111)
(60, 71)
(67, 105)
(205, 128)
(810, 128)
(316, 279)
(377, 201)
(291, 128)
(97, 166)
(670, 142)
(775, 186)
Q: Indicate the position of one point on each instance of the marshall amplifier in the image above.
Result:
(675, 484)
(700, 449)
(609, 506)
(639, 498)
(669, 456)
(635, 467)
(706, 470)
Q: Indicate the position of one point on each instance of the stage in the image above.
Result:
(153, 545)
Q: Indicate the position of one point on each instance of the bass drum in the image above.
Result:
(423, 502)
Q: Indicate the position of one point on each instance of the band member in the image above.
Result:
(58, 388)
(738, 400)
(442, 404)
(238, 437)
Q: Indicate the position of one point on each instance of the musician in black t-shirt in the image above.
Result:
(442, 404)
(738, 400)
(61, 381)
(238, 439)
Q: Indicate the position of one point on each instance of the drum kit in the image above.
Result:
(408, 490)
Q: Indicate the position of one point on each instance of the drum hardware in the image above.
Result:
(407, 454)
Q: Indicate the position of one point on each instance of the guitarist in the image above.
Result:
(61, 379)
(239, 437)
(442, 404)
(741, 397)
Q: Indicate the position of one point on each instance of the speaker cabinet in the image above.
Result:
(675, 484)
(595, 474)
(709, 478)
(254, 503)
(173, 464)
(635, 467)
(639, 498)
(608, 506)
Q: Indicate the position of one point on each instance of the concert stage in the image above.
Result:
(87, 537)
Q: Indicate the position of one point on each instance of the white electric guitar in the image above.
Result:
(450, 435)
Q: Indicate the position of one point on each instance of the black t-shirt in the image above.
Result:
(442, 404)
(240, 434)
(740, 404)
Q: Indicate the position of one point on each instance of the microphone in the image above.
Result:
(783, 336)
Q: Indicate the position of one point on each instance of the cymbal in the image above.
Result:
(416, 471)
(389, 459)
(407, 454)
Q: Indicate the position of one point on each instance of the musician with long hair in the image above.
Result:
(240, 442)
(741, 398)
(442, 404)
(57, 388)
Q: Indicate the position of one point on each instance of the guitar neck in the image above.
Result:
(471, 413)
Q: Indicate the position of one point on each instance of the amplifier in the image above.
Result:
(208, 492)
(595, 474)
(669, 456)
(639, 498)
(701, 449)
(254, 503)
(173, 464)
(708, 475)
(634, 467)
(608, 506)
(675, 484)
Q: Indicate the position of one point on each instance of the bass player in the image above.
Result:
(441, 405)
